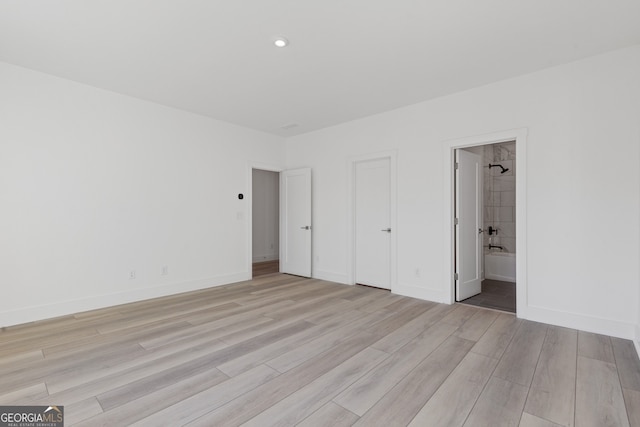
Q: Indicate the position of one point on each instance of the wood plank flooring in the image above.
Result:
(265, 267)
(283, 350)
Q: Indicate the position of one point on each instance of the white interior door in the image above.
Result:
(295, 224)
(373, 223)
(469, 224)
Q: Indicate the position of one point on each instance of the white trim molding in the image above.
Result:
(265, 258)
(596, 325)
(31, 314)
(449, 147)
(427, 294)
(331, 276)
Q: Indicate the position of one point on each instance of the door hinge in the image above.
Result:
(455, 276)
(457, 165)
(455, 221)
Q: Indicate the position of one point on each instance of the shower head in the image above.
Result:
(498, 166)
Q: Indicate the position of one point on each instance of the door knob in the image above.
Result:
(306, 227)
(388, 230)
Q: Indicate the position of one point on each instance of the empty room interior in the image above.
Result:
(365, 213)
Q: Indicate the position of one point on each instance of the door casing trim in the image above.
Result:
(520, 137)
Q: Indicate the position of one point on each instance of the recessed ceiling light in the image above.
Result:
(281, 42)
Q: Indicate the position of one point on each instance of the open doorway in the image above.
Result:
(265, 214)
(485, 226)
(518, 135)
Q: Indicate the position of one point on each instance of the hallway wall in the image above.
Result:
(265, 215)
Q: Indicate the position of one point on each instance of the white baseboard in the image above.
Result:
(614, 328)
(264, 258)
(434, 295)
(500, 278)
(32, 314)
(330, 276)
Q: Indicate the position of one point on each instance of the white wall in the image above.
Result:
(637, 337)
(94, 184)
(583, 189)
(265, 215)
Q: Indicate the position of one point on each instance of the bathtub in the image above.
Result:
(500, 266)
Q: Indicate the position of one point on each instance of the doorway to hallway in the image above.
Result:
(265, 222)
(280, 226)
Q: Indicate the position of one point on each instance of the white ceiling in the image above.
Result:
(347, 58)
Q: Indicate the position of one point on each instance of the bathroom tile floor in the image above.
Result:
(495, 294)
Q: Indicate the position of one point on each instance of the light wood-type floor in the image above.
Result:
(265, 267)
(281, 350)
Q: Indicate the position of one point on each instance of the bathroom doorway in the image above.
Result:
(485, 225)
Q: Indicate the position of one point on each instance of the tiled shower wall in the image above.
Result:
(500, 196)
(499, 193)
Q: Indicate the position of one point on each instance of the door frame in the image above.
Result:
(520, 137)
(249, 200)
(392, 155)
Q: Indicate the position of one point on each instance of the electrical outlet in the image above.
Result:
(165, 270)
(132, 274)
